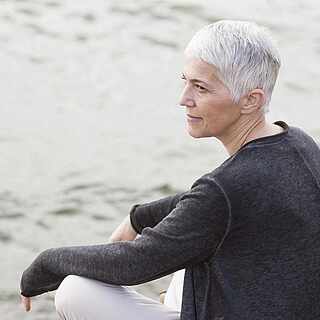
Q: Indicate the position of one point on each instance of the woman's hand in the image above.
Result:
(26, 302)
(124, 231)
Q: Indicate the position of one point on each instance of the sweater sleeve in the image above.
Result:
(151, 213)
(188, 235)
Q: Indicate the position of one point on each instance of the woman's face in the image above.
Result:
(208, 99)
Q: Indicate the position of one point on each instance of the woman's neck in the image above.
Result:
(248, 130)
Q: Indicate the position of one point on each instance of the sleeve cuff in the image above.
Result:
(133, 220)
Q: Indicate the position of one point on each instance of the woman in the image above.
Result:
(246, 233)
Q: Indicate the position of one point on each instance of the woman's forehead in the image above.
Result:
(195, 68)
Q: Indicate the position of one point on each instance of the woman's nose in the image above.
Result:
(186, 98)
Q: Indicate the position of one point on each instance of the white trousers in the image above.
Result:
(79, 298)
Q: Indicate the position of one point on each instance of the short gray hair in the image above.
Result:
(243, 53)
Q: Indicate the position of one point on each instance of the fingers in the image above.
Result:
(26, 303)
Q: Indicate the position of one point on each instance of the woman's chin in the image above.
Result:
(195, 134)
(198, 134)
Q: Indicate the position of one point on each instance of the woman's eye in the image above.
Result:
(200, 88)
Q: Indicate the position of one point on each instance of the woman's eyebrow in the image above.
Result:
(195, 80)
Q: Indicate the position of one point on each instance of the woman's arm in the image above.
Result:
(148, 215)
(151, 213)
(188, 235)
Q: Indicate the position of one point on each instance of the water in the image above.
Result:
(89, 119)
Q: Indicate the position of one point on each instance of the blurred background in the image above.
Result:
(90, 122)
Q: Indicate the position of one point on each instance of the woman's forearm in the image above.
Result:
(151, 213)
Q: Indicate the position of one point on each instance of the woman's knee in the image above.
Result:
(78, 295)
(86, 299)
(71, 294)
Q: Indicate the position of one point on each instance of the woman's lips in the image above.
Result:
(193, 119)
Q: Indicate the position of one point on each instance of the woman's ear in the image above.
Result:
(253, 101)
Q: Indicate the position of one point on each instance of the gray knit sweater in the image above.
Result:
(247, 233)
